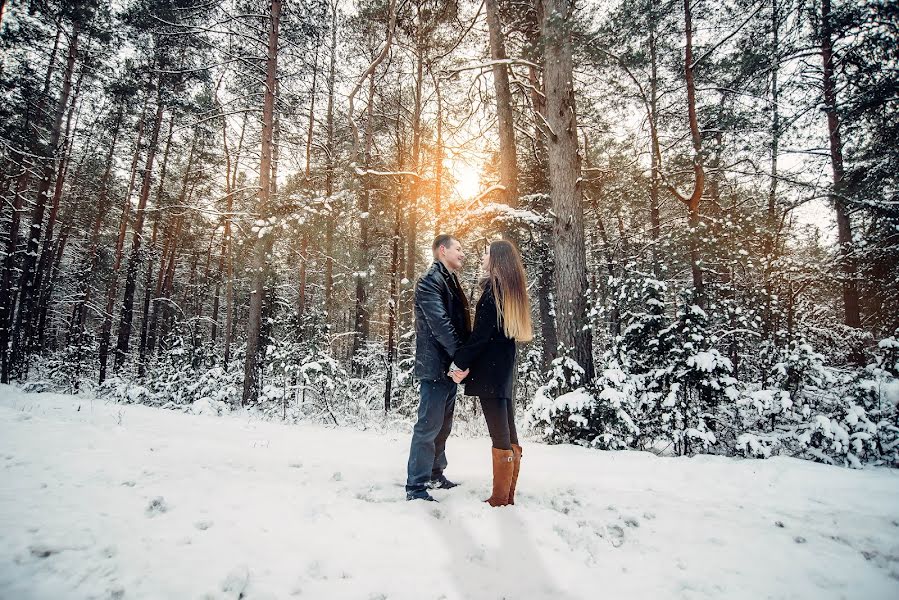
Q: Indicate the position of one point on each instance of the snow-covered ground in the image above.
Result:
(112, 501)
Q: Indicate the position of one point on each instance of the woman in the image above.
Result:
(503, 317)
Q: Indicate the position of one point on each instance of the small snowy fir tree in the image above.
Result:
(701, 378)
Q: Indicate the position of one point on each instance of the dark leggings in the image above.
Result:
(500, 415)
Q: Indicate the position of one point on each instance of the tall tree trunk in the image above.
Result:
(226, 229)
(699, 174)
(508, 160)
(438, 163)
(330, 225)
(112, 287)
(570, 274)
(148, 300)
(304, 263)
(79, 314)
(415, 184)
(544, 257)
(7, 293)
(124, 334)
(229, 262)
(263, 242)
(691, 200)
(838, 191)
(27, 291)
(200, 296)
(614, 310)
(614, 313)
(654, 217)
(312, 95)
(771, 224)
(59, 248)
(166, 311)
(369, 73)
(550, 340)
(164, 283)
(329, 178)
(152, 251)
(392, 309)
(43, 280)
(364, 270)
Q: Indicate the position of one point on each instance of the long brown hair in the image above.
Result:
(513, 308)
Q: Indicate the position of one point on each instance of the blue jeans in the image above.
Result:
(427, 456)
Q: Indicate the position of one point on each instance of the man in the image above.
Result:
(442, 325)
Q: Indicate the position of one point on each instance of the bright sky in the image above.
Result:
(467, 176)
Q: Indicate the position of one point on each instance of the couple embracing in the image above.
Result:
(449, 351)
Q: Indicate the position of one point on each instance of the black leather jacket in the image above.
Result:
(442, 322)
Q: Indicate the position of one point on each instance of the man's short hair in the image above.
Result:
(444, 240)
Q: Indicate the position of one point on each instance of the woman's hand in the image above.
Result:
(458, 375)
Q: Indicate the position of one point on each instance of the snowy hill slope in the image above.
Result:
(111, 501)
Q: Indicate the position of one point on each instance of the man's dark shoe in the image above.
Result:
(441, 483)
(420, 495)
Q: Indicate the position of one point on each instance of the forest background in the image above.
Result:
(221, 204)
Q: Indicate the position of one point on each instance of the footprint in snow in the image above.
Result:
(616, 535)
(235, 583)
(376, 494)
(564, 504)
(157, 506)
(43, 550)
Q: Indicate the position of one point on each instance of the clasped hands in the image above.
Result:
(458, 375)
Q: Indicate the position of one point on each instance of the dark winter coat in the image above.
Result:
(442, 322)
(488, 353)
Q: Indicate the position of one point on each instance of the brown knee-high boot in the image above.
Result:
(516, 455)
(503, 465)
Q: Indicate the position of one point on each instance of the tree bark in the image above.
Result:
(698, 171)
(545, 261)
(570, 274)
(838, 191)
(151, 252)
(329, 177)
(226, 243)
(438, 163)
(27, 291)
(79, 314)
(112, 287)
(654, 217)
(392, 309)
(312, 106)
(127, 313)
(164, 283)
(771, 222)
(508, 160)
(363, 270)
(263, 242)
(43, 280)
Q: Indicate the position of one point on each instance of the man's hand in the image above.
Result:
(458, 375)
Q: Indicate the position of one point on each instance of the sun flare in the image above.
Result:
(467, 177)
